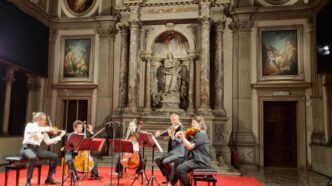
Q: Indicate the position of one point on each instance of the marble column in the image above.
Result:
(191, 98)
(133, 76)
(41, 93)
(205, 67)
(242, 98)
(33, 86)
(148, 83)
(219, 109)
(123, 65)
(9, 78)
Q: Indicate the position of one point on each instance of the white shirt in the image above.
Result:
(34, 135)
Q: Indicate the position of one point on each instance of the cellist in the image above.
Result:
(78, 127)
(132, 128)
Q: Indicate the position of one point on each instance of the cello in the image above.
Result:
(131, 160)
(83, 161)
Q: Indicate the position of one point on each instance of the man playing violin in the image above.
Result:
(78, 127)
(197, 145)
(175, 147)
(34, 134)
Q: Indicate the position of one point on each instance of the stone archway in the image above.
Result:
(170, 49)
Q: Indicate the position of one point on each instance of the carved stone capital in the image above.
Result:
(234, 27)
(205, 20)
(54, 34)
(10, 75)
(33, 82)
(245, 26)
(123, 27)
(106, 31)
(220, 25)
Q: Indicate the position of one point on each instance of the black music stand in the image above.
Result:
(119, 146)
(71, 145)
(142, 143)
(150, 141)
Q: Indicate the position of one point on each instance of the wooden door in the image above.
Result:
(280, 148)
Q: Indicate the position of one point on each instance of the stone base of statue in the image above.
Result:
(170, 103)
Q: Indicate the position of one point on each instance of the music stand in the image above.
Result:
(119, 146)
(150, 141)
(142, 144)
(71, 145)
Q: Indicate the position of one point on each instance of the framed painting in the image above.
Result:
(280, 53)
(79, 7)
(77, 58)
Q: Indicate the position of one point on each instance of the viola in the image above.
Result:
(191, 132)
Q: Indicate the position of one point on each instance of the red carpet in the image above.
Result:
(126, 181)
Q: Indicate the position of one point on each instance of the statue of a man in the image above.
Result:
(172, 74)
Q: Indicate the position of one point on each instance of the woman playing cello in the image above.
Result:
(131, 160)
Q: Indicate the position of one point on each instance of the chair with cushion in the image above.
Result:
(204, 175)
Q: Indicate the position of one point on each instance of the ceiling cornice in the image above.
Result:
(33, 10)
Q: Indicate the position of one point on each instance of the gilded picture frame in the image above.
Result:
(280, 53)
(76, 59)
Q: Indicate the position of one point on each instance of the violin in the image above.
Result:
(190, 132)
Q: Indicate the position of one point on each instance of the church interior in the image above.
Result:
(258, 71)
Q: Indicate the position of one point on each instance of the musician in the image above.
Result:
(78, 127)
(131, 129)
(175, 147)
(197, 145)
(34, 134)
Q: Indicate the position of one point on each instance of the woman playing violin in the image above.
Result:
(197, 145)
(78, 127)
(34, 134)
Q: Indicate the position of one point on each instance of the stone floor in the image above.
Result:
(286, 177)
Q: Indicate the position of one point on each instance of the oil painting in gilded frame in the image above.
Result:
(280, 53)
(77, 59)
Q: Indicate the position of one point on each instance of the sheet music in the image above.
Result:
(157, 144)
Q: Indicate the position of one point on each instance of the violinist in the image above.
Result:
(78, 127)
(197, 145)
(34, 134)
(175, 147)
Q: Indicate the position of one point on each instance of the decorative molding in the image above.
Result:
(75, 86)
(285, 84)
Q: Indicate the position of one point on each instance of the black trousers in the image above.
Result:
(164, 163)
(32, 153)
(187, 166)
(174, 177)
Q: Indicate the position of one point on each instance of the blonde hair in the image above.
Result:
(175, 115)
(37, 115)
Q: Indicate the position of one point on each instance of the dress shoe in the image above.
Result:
(51, 182)
(164, 182)
(94, 177)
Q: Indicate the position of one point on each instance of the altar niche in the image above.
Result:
(170, 72)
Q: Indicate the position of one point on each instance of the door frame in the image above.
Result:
(300, 128)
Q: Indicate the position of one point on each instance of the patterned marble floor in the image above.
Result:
(286, 177)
